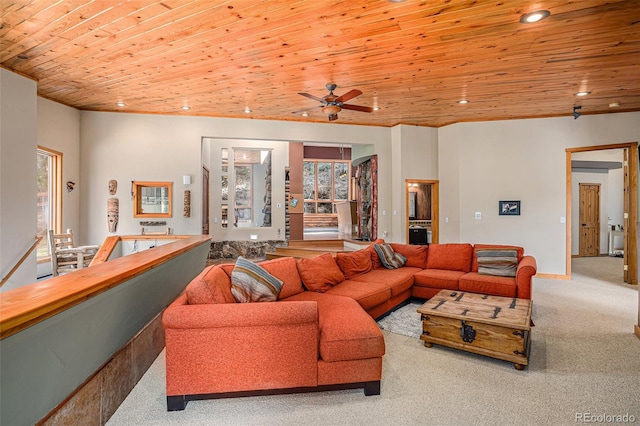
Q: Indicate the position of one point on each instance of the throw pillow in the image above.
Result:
(212, 285)
(354, 263)
(285, 269)
(389, 258)
(502, 263)
(320, 273)
(450, 256)
(375, 259)
(416, 255)
(251, 283)
(476, 247)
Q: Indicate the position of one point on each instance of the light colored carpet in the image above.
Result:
(405, 321)
(585, 361)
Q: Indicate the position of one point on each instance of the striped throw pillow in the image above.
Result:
(252, 283)
(502, 263)
(389, 258)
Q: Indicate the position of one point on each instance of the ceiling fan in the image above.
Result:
(332, 104)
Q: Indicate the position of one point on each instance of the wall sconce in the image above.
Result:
(186, 180)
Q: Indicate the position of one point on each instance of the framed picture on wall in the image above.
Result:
(509, 208)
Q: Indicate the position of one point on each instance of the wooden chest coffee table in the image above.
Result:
(494, 326)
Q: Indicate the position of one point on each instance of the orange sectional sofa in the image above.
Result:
(320, 333)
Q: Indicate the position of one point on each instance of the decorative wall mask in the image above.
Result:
(113, 207)
(187, 203)
(113, 187)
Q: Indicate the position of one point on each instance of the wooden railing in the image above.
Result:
(22, 259)
(23, 307)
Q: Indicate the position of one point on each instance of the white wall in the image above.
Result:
(477, 165)
(130, 147)
(18, 147)
(59, 129)
(415, 156)
(483, 163)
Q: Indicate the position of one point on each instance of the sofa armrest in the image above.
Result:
(234, 347)
(527, 268)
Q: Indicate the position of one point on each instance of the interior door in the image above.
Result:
(205, 201)
(589, 244)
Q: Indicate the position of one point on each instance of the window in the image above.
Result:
(49, 200)
(324, 182)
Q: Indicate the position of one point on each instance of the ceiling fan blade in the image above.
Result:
(333, 117)
(315, 98)
(357, 108)
(349, 95)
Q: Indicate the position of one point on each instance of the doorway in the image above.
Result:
(421, 197)
(630, 200)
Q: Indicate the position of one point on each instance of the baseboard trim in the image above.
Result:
(553, 276)
(637, 330)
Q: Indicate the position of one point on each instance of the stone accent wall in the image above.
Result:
(247, 249)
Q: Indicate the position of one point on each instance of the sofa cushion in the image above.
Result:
(398, 280)
(488, 284)
(367, 294)
(476, 247)
(389, 258)
(499, 262)
(452, 257)
(438, 278)
(212, 285)
(285, 269)
(346, 331)
(227, 268)
(252, 283)
(354, 263)
(375, 259)
(319, 273)
(416, 255)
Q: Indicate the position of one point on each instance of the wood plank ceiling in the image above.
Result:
(414, 59)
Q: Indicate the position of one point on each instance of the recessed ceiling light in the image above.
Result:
(531, 17)
(247, 110)
(376, 108)
(584, 93)
(614, 105)
(305, 114)
(463, 101)
(121, 104)
(186, 107)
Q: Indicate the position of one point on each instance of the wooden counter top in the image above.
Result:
(25, 306)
